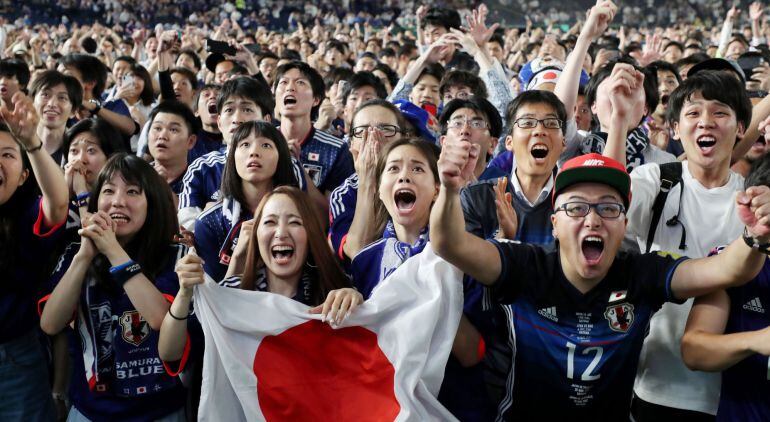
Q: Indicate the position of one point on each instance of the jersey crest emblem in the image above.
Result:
(620, 316)
(134, 328)
(314, 172)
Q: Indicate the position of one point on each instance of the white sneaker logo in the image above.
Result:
(754, 305)
(549, 313)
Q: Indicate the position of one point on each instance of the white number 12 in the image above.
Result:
(587, 376)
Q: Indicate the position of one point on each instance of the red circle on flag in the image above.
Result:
(314, 372)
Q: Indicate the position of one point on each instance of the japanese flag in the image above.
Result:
(268, 359)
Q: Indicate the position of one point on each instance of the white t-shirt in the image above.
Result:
(711, 220)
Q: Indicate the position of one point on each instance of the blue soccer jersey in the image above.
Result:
(746, 385)
(202, 182)
(342, 209)
(573, 354)
(216, 234)
(326, 159)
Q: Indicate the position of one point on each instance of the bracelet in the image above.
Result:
(37, 148)
(125, 271)
(754, 244)
(176, 317)
(82, 199)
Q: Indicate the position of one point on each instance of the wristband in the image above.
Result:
(125, 271)
(754, 244)
(176, 317)
(37, 148)
(82, 199)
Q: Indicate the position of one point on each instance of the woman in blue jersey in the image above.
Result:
(28, 222)
(117, 283)
(287, 254)
(258, 161)
(407, 180)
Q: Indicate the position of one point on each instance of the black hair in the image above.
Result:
(406, 49)
(337, 74)
(443, 17)
(759, 174)
(497, 38)
(692, 59)
(192, 54)
(651, 96)
(289, 54)
(536, 96)
(149, 245)
(232, 184)
(719, 86)
(179, 109)
(147, 96)
(109, 138)
(463, 78)
(52, 78)
(238, 70)
(247, 88)
(387, 52)
(337, 45)
(368, 54)
(89, 45)
(676, 44)
(267, 55)
(477, 104)
(389, 73)
(16, 68)
(433, 69)
(631, 47)
(188, 74)
(312, 75)
(360, 80)
(91, 70)
(661, 65)
(128, 59)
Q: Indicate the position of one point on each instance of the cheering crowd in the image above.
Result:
(604, 188)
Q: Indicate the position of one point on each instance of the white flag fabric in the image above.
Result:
(267, 358)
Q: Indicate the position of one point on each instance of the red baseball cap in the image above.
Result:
(594, 168)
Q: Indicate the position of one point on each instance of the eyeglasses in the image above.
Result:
(531, 123)
(463, 95)
(474, 123)
(581, 209)
(387, 130)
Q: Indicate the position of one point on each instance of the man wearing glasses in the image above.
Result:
(579, 313)
(536, 138)
(477, 121)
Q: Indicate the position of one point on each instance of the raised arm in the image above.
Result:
(362, 231)
(706, 347)
(431, 55)
(472, 255)
(626, 91)
(727, 30)
(173, 331)
(738, 263)
(599, 17)
(22, 122)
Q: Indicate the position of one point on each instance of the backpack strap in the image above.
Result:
(670, 176)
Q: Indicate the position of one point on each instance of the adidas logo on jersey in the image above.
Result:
(754, 305)
(549, 313)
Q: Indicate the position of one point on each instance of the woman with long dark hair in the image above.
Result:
(117, 282)
(30, 224)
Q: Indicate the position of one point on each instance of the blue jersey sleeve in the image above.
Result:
(520, 265)
(341, 170)
(208, 242)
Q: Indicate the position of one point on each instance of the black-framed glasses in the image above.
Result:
(387, 130)
(474, 123)
(581, 209)
(531, 123)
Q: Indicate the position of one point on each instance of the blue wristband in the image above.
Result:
(125, 271)
(82, 199)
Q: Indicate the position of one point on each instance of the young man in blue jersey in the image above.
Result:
(579, 314)
(727, 332)
(241, 100)
(299, 90)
